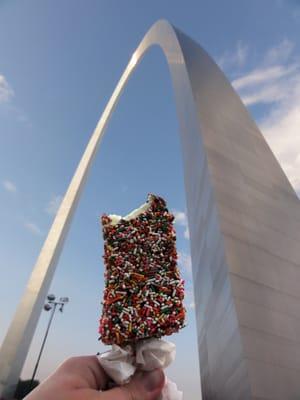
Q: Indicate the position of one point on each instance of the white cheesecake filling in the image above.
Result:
(133, 214)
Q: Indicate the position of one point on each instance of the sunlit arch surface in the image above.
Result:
(244, 227)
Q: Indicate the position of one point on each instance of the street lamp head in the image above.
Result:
(64, 299)
(51, 297)
(47, 307)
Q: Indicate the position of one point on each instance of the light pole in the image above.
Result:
(51, 305)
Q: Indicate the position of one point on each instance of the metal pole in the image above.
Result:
(43, 345)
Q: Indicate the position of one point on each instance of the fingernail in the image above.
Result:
(152, 380)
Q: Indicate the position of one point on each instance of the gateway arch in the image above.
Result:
(244, 221)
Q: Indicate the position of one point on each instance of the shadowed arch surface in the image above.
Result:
(244, 225)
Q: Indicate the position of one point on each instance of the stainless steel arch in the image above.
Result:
(238, 201)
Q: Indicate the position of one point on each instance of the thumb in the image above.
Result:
(143, 386)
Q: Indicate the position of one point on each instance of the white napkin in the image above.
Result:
(120, 364)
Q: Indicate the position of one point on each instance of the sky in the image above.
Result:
(59, 64)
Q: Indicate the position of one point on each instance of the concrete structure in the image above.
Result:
(244, 220)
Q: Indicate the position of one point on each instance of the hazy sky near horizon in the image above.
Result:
(59, 64)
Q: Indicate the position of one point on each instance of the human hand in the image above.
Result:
(82, 378)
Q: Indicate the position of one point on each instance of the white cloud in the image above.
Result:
(180, 217)
(181, 220)
(6, 95)
(237, 58)
(53, 204)
(33, 228)
(279, 53)
(282, 131)
(273, 80)
(241, 53)
(6, 92)
(266, 95)
(9, 186)
(263, 75)
(189, 300)
(185, 261)
(186, 233)
(276, 82)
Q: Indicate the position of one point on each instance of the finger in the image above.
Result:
(143, 386)
(85, 372)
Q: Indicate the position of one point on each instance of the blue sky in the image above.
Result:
(59, 64)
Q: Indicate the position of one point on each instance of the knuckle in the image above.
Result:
(70, 362)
